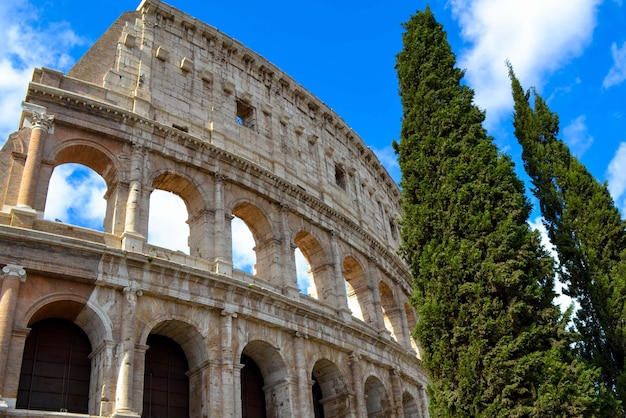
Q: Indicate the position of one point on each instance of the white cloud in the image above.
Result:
(167, 223)
(28, 43)
(617, 73)
(536, 36)
(244, 257)
(616, 176)
(302, 272)
(76, 196)
(576, 136)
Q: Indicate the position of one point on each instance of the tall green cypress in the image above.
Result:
(494, 343)
(587, 231)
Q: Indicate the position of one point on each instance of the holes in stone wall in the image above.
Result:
(340, 177)
(245, 114)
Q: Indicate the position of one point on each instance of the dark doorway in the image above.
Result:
(318, 408)
(252, 395)
(166, 386)
(55, 368)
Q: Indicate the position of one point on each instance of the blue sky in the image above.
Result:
(572, 51)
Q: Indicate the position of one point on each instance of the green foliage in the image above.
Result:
(586, 228)
(494, 343)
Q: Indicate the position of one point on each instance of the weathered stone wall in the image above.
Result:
(163, 101)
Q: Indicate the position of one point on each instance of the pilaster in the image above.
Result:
(12, 276)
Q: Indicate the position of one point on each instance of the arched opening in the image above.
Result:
(76, 197)
(167, 223)
(166, 386)
(266, 248)
(330, 394)
(303, 270)
(252, 394)
(319, 274)
(391, 313)
(176, 219)
(244, 257)
(275, 380)
(360, 300)
(376, 399)
(56, 368)
(410, 406)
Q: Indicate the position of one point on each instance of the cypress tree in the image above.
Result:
(587, 231)
(494, 343)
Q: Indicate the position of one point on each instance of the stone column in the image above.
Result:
(132, 238)
(396, 385)
(406, 332)
(41, 125)
(358, 388)
(303, 406)
(374, 280)
(423, 403)
(12, 276)
(227, 375)
(290, 286)
(340, 282)
(124, 387)
(223, 246)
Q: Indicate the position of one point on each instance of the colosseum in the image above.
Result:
(105, 323)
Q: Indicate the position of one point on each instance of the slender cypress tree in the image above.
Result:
(494, 343)
(587, 231)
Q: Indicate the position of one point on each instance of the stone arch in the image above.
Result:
(360, 298)
(183, 333)
(275, 377)
(410, 406)
(391, 313)
(195, 202)
(267, 247)
(192, 344)
(91, 155)
(321, 270)
(377, 400)
(334, 400)
(87, 316)
(56, 368)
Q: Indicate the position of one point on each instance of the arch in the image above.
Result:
(77, 196)
(182, 333)
(391, 313)
(410, 406)
(90, 154)
(166, 386)
(56, 369)
(322, 284)
(360, 298)
(267, 248)
(195, 204)
(275, 377)
(86, 314)
(377, 399)
(330, 393)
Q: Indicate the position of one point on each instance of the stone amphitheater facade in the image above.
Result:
(89, 320)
